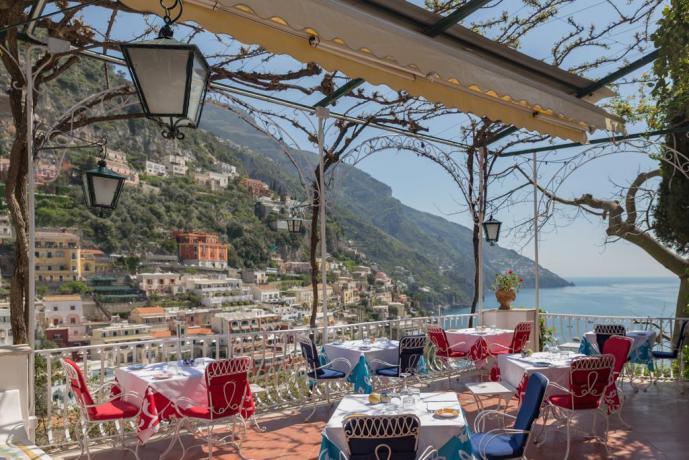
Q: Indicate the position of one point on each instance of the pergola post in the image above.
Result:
(483, 157)
(322, 113)
(537, 275)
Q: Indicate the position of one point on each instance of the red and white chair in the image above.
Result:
(227, 385)
(445, 352)
(113, 408)
(520, 337)
(619, 347)
(590, 376)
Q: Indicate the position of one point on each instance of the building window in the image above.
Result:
(72, 307)
(73, 320)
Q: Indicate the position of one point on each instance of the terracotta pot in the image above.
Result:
(505, 298)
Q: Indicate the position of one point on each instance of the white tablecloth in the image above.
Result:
(381, 350)
(433, 431)
(187, 381)
(640, 337)
(514, 368)
(470, 336)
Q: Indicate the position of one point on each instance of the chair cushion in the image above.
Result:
(582, 403)
(665, 354)
(493, 446)
(325, 374)
(113, 410)
(389, 371)
(452, 354)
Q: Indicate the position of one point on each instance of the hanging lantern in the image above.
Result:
(295, 224)
(170, 77)
(491, 228)
(102, 188)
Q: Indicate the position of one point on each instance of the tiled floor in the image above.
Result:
(659, 419)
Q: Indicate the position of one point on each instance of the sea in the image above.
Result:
(653, 296)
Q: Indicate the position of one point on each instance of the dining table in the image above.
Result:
(162, 385)
(450, 436)
(478, 342)
(641, 351)
(365, 357)
(516, 369)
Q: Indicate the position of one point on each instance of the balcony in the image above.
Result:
(654, 411)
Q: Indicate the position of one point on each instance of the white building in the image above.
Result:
(121, 332)
(266, 294)
(381, 310)
(6, 230)
(228, 169)
(155, 169)
(216, 292)
(161, 283)
(176, 165)
(66, 311)
(5, 325)
(245, 321)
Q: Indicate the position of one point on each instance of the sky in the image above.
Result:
(575, 247)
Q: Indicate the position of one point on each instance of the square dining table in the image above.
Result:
(433, 431)
(382, 350)
(516, 369)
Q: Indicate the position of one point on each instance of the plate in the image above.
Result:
(136, 367)
(162, 376)
(446, 412)
(541, 364)
(364, 347)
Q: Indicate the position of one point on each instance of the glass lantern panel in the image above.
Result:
(199, 77)
(162, 76)
(104, 190)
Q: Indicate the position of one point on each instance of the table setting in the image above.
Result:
(162, 384)
(443, 425)
(478, 341)
(639, 353)
(366, 355)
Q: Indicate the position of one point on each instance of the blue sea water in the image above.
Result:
(655, 297)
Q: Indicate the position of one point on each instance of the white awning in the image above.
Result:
(362, 40)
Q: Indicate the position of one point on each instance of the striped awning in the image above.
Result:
(363, 40)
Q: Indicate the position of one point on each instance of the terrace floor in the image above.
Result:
(658, 418)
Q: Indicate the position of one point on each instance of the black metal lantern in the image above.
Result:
(491, 228)
(295, 224)
(102, 188)
(170, 77)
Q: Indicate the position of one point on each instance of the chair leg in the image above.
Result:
(210, 442)
(313, 402)
(568, 438)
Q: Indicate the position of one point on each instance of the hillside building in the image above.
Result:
(58, 256)
(201, 249)
(155, 169)
(6, 229)
(256, 187)
(162, 284)
(66, 312)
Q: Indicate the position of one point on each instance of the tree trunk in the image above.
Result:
(315, 208)
(477, 269)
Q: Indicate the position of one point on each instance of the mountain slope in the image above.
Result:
(437, 252)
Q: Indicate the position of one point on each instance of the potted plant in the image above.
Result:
(506, 286)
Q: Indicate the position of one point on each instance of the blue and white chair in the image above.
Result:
(504, 443)
(411, 349)
(675, 354)
(383, 437)
(317, 372)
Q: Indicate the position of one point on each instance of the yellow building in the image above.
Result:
(93, 262)
(58, 256)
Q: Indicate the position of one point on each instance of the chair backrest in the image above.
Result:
(680, 338)
(309, 352)
(619, 347)
(411, 350)
(605, 331)
(77, 383)
(520, 337)
(227, 381)
(588, 379)
(382, 437)
(531, 405)
(438, 338)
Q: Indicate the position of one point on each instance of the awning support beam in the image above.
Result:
(339, 92)
(453, 18)
(619, 73)
(602, 140)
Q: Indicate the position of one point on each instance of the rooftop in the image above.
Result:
(62, 298)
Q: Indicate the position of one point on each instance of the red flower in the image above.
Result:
(521, 280)
(509, 272)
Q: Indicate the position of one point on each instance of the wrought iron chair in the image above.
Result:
(589, 377)
(605, 331)
(443, 350)
(317, 372)
(675, 354)
(410, 353)
(227, 386)
(383, 437)
(503, 443)
(115, 408)
(619, 347)
(520, 337)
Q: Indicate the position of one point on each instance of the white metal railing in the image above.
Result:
(275, 354)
